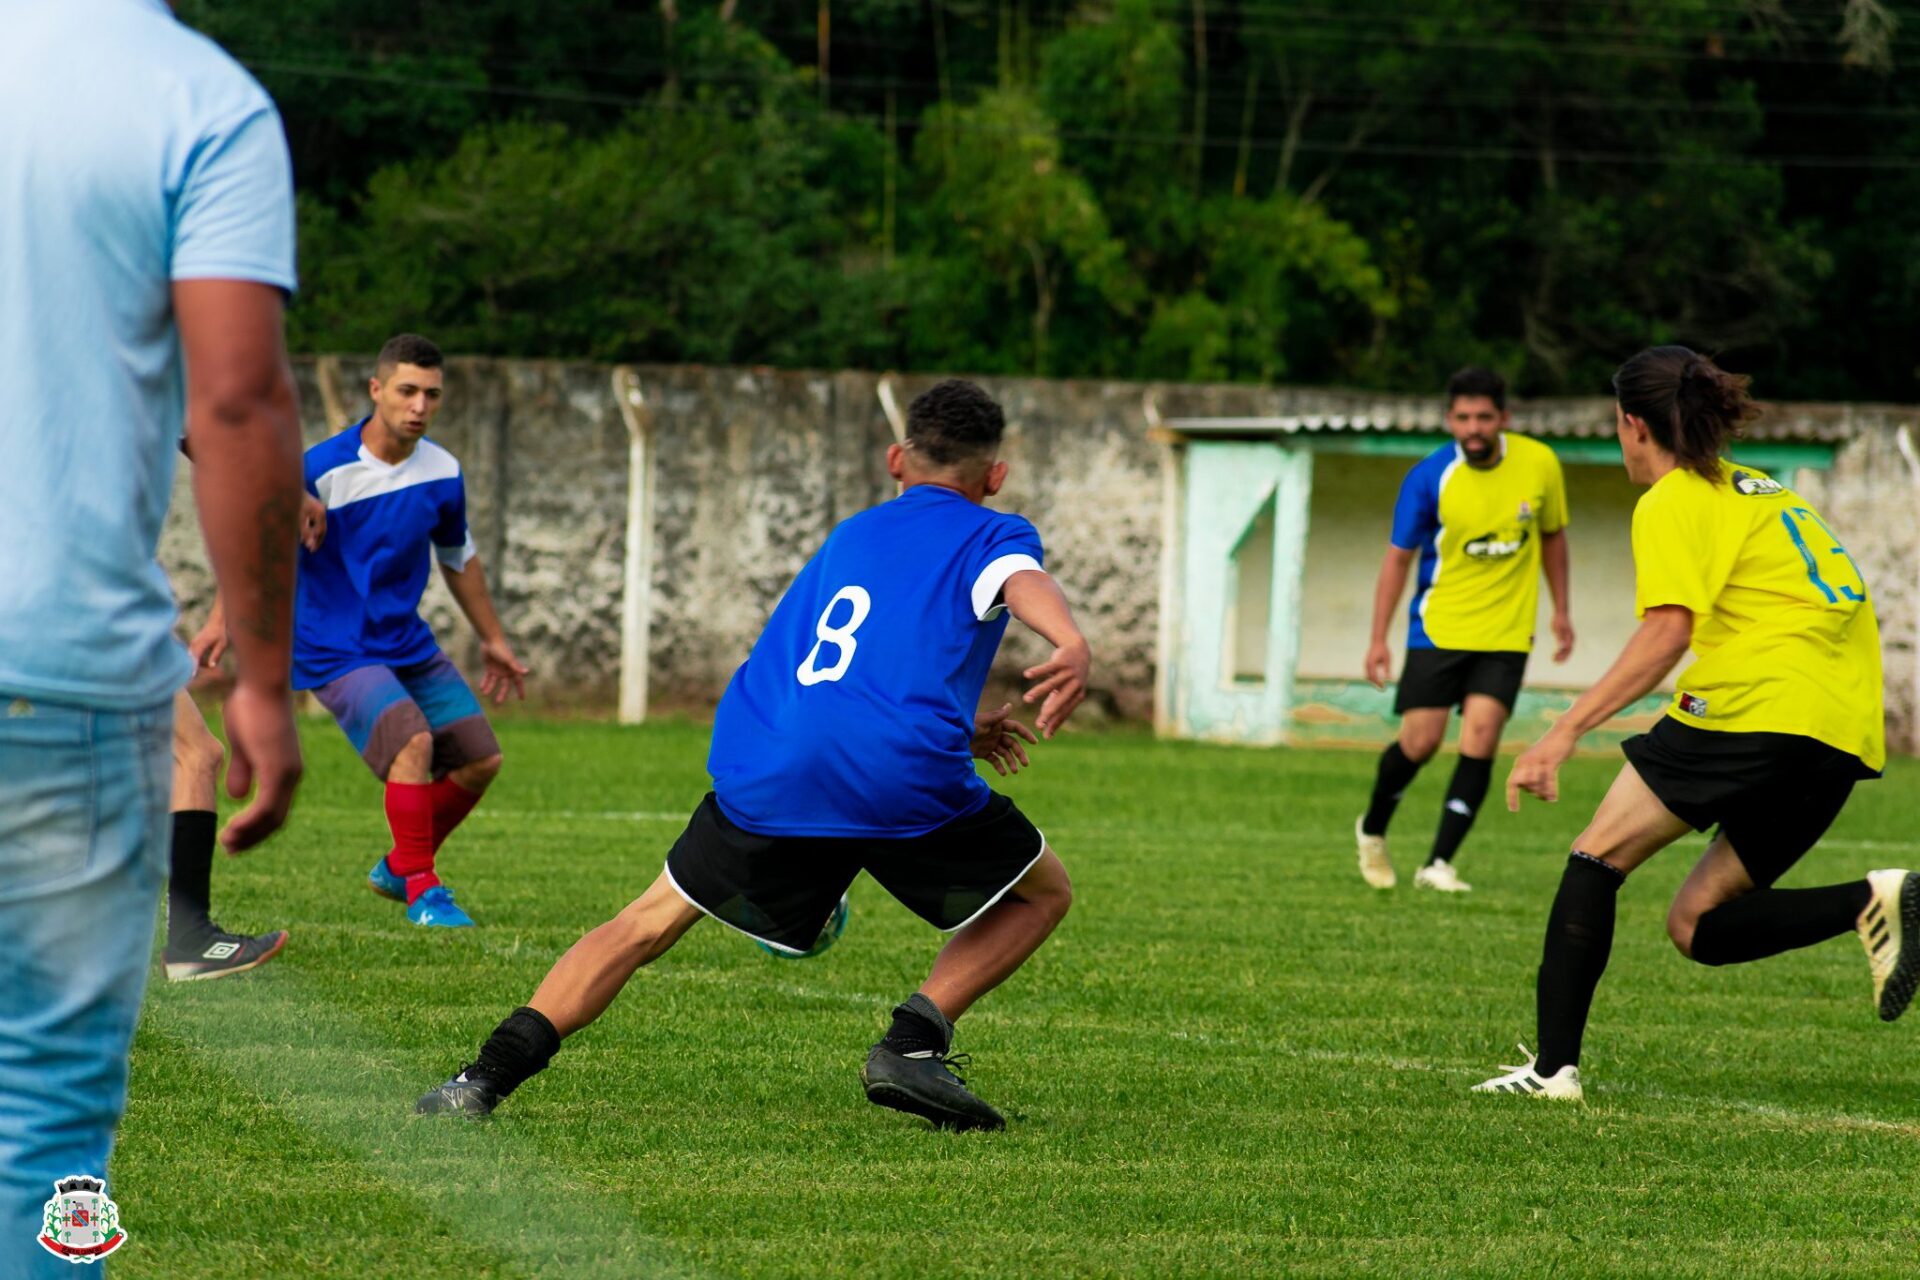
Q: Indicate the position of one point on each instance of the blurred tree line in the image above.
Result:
(1367, 192)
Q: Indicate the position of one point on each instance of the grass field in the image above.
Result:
(1233, 1059)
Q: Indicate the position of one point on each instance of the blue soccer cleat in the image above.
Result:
(383, 882)
(436, 907)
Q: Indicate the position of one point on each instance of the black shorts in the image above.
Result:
(1444, 677)
(780, 889)
(1773, 794)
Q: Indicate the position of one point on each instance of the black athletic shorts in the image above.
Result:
(1773, 794)
(781, 889)
(1444, 677)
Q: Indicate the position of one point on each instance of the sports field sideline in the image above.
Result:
(1233, 1058)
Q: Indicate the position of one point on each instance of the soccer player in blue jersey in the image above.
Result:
(1484, 515)
(846, 743)
(392, 496)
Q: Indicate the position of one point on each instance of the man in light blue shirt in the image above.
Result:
(146, 248)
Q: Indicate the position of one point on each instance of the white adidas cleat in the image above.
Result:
(1440, 876)
(1563, 1085)
(1375, 868)
(1889, 929)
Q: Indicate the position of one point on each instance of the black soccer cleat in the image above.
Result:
(221, 953)
(464, 1095)
(926, 1086)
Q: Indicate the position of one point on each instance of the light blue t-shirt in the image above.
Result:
(133, 153)
(853, 715)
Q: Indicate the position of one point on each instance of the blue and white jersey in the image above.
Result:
(133, 154)
(358, 601)
(854, 712)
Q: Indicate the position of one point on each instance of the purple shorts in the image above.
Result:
(381, 709)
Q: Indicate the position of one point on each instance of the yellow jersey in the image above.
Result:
(1478, 531)
(1784, 634)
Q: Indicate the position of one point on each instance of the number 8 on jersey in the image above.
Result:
(840, 637)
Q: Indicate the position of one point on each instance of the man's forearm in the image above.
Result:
(469, 587)
(1036, 599)
(1650, 654)
(1387, 589)
(246, 482)
(1554, 559)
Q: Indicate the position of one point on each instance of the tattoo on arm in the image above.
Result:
(279, 525)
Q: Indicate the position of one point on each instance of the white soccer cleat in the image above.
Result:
(1440, 876)
(1890, 929)
(1375, 868)
(1563, 1085)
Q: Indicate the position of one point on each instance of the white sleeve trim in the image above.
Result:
(987, 604)
(455, 558)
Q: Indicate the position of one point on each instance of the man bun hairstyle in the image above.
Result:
(1694, 408)
(1475, 381)
(954, 422)
(407, 348)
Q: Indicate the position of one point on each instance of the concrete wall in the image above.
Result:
(754, 466)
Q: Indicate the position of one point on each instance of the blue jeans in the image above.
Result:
(84, 845)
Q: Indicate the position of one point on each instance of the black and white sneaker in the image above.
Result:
(1890, 931)
(464, 1095)
(221, 953)
(925, 1085)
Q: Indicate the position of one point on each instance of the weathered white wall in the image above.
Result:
(754, 466)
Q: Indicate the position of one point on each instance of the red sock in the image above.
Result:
(451, 804)
(410, 816)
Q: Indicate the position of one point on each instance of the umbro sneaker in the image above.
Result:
(1440, 876)
(464, 1095)
(222, 953)
(1375, 868)
(1890, 931)
(924, 1085)
(1563, 1085)
(437, 907)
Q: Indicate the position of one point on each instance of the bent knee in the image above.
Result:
(479, 773)
(1681, 923)
(1051, 893)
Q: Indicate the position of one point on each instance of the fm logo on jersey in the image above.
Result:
(1752, 486)
(1498, 545)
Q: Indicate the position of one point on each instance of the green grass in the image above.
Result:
(1233, 1059)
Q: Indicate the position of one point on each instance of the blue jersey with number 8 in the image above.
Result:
(853, 714)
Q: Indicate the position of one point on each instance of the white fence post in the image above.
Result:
(636, 597)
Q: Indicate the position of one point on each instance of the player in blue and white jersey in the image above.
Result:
(392, 496)
(846, 743)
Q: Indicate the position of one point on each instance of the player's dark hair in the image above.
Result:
(1693, 407)
(1475, 381)
(407, 348)
(954, 422)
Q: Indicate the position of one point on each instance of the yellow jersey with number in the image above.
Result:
(1478, 532)
(1784, 635)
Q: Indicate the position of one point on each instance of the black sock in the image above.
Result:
(188, 884)
(1768, 921)
(918, 1027)
(1464, 794)
(1395, 775)
(519, 1048)
(1579, 939)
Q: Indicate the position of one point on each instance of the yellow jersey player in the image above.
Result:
(1767, 733)
(1482, 516)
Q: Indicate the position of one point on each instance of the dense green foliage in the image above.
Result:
(1233, 1060)
(1369, 193)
